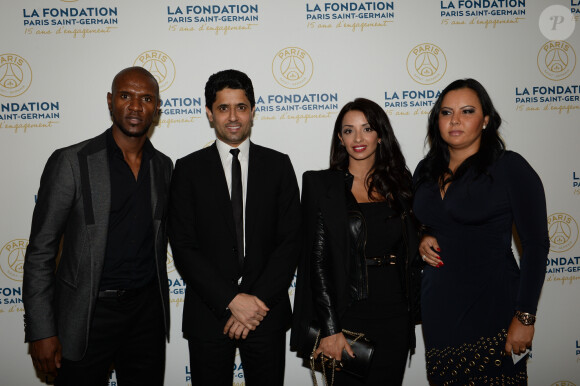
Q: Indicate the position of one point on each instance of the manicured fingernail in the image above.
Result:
(439, 257)
(438, 249)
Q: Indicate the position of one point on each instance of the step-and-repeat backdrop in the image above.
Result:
(306, 59)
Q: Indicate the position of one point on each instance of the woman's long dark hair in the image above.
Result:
(389, 176)
(436, 163)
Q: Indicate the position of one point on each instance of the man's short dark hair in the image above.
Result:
(234, 79)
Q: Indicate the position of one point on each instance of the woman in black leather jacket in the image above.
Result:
(360, 269)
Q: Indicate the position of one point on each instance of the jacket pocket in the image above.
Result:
(71, 261)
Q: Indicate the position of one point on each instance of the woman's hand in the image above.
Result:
(332, 347)
(427, 249)
(519, 337)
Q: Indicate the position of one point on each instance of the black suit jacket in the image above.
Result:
(202, 237)
(74, 201)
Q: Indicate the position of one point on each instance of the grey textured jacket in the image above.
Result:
(59, 294)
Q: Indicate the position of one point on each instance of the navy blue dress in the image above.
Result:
(468, 303)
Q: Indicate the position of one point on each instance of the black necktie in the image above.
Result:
(238, 205)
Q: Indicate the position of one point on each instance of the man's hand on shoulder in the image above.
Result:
(248, 310)
(46, 355)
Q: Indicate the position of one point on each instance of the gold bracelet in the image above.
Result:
(525, 318)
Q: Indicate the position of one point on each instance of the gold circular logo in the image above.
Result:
(170, 262)
(426, 63)
(556, 60)
(160, 65)
(563, 231)
(12, 258)
(292, 67)
(15, 75)
(562, 383)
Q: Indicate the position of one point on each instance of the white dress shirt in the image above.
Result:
(226, 158)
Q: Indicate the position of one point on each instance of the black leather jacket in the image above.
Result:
(323, 289)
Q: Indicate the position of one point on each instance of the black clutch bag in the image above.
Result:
(362, 347)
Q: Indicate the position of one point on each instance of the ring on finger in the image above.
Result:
(424, 257)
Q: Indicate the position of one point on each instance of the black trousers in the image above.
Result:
(127, 332)
(263, 357)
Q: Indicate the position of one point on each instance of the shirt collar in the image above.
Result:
(114, 149)
(224, 149)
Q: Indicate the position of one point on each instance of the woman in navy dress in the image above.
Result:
(478, 306)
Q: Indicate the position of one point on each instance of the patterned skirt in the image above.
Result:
(482, 362)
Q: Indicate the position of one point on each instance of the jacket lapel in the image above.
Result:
(99, 179)
(217, 179)
(257, 173)
(96, 192)
(95, 182)
(334, 208)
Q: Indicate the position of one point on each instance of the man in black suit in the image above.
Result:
(108, 300)
(234, 230)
